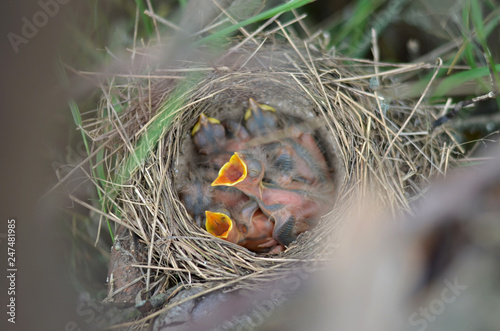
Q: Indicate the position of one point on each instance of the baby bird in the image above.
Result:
(242, 170)
(220, 225)
(302, 164)
(196, 197)
(291, 209)
(307, 148)
(209, 135)
(296, 158)
(258, 228)
(260, 119)
(246, 226)
(235, 131)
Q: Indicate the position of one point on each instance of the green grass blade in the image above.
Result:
(156, 129)
(460, 78)
(353, 26)
(75, 111)
(262, 16)
(477, 21)
(147, 22)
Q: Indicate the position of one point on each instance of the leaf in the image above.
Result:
(286, 7)
(460, 78)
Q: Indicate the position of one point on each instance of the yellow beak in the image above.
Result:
(231, 173)
(203, 120)
(218, 224)
(254, 107)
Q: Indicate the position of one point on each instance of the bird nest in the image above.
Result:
(372, 142)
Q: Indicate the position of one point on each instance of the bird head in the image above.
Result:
(241, 167)
(203, 122)
(260, 118)
(220, 225)
(208, 135)
(256, 109)
(236, 130)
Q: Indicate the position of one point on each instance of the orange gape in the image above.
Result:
(233, 172)
(221, 226)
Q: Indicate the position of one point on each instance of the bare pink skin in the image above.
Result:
(279, 203)
(250, 228)
(229, 198)
(259, 235)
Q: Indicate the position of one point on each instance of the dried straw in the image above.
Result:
(374, 143)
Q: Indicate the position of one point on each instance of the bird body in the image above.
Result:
(310, 147)
(228, 196)
(245, 225)
(297, 158)
(294, 163)
(292, 211)
(197, 198)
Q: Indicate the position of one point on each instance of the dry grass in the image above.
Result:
(375, 144)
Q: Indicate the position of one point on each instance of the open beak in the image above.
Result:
(231, 173)
(203, 121)
(218, 224)
(256, 107)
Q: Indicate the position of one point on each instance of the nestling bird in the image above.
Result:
(309, 145)
(199, 195)
(209, 135)
(297, 158)
(268, 184)
(243, 169)
(235, 131)
(260, 119)
(220, 225)
(257, 227)
(290, 208)
(196, 197)
(292, 163)
(246, 226)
